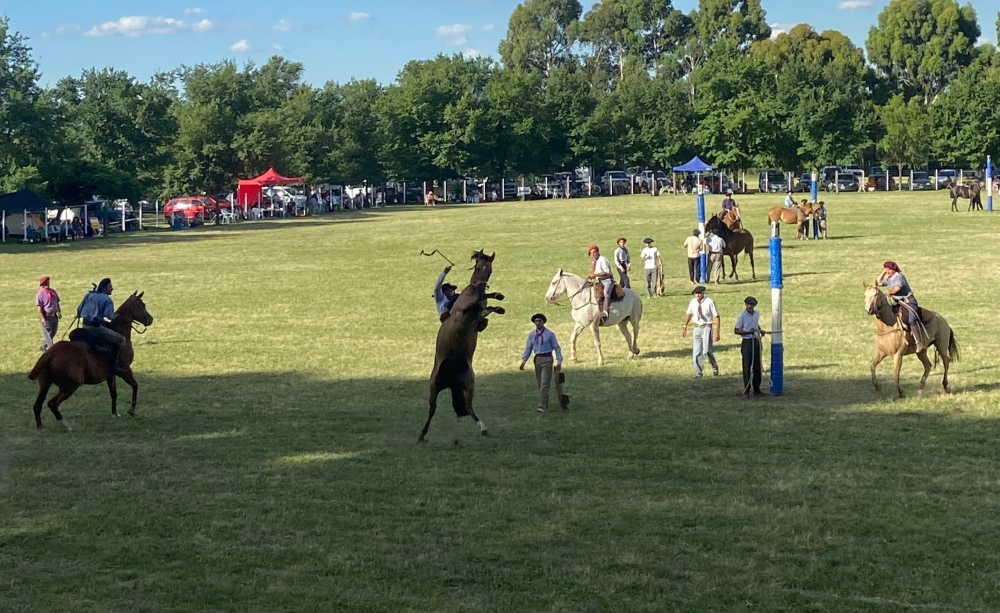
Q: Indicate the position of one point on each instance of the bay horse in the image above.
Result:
(70, 364)
(737, 242)
(586, 314)
(892, 340)
(969, 192)
(456, 344)
(795, 215)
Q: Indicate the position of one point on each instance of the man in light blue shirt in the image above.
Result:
(444, 294)
(96, 311)
(748, 328)
(789, 199)
(542, 342)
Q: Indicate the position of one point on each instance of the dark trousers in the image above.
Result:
(694, 268)
(750, 349)
(624, 279)
(49, 328)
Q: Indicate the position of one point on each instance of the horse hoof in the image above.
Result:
(499, 296)
(131, 412)
(499, 310)
(421, 441)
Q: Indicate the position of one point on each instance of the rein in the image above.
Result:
(570, 297)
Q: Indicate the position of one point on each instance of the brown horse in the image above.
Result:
(892, 340)
(69, 364)
(796, 215)
(737, 242)
(732, 218)
(456, 344)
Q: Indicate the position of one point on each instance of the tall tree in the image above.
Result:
(907, 136)
(966, 118)
(540, 35)
(920, 45)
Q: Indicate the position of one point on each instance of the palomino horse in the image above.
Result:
(892, 340)
(969, 192)
(737, 242)
(732, 218)
(456, 344)
(69, 364)
(587, 315)
(796, 215)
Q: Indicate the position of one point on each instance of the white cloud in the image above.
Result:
(283, 25)
(455, 34)
(471, 53)
(241, 46)
(277, 47)
(979, 43)
(488, 27)
(194, 10)
(849, 5)
(144, 26)
(359, 16)
(69, 27)
(780, 28)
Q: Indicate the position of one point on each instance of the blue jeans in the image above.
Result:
(702, 347)
(909, 310)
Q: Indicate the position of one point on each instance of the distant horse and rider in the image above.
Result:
(972, 193)
(797, 214)
(86, 359)
(737, 241)
(624, 308)
(456, 343)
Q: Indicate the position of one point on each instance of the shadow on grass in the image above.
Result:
(261, 487)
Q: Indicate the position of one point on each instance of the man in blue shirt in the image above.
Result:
(542, 342)
(96, 311)
(748, 328)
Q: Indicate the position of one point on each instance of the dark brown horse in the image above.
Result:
(456, 344)
(737, 242)
(969, 192)
(70, 364)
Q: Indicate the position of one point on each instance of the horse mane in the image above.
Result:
(718, 228)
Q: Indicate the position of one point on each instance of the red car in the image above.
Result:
(195, 208)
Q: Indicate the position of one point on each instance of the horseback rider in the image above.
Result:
(444, 294)
(899, 290)
(727, 203)
(789, 200)
(95, 312)
(601, 275)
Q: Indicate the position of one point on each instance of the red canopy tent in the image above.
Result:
(249, 190)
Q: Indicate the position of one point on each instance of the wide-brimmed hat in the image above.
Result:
(44, 280)
(647, 240)
(539, 316)
(750, 300)
(621, 239)
(700, 289)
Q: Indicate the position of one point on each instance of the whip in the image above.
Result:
(431, 254)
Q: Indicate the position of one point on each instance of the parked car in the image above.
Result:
(878, 182)
(773, 181)
(921, 181)
(944, 176)
(805, 183)
(192, 208)
(614, 182)
(853, 169)
(845, 182)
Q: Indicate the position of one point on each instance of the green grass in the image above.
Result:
(273, 465)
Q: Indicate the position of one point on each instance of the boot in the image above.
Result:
(602, 304)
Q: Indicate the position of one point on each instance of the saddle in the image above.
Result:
(618, 293)
(84, 337)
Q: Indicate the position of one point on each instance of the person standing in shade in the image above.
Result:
(715, 262)
(542, 342)
(623, 262)
(47, 301)
(748, 328)
(693, 244)
(651, 263)
(706, 319)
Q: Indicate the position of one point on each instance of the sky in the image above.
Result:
(336, 40)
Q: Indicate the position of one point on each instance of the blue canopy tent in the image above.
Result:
(697, 166)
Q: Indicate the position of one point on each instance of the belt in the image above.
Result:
(544, 355)
(703, 325)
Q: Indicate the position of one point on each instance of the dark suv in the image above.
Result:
(773, 181)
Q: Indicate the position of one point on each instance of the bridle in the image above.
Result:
(570, 297)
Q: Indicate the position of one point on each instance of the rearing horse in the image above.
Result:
(69, 364)
(892, 340)
(456, 344)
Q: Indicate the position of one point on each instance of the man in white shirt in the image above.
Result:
(715, 262)
(444, 294)
(702, 312)
(789, 199)
(600, 273)
(748, 328)
(623, 262)
(651, 264)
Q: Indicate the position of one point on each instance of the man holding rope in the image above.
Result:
(748, 327)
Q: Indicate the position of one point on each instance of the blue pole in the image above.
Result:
(701, 228)
(777, 337)
(814, 189)
(989, 184)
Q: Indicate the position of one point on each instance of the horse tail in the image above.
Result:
(41, 365)
(953, 351)
(458, 399)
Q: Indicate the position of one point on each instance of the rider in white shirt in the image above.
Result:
(601, 272)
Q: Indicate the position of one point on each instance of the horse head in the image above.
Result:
(874, 299)
(557, 287)
(135, 309)
(483, 268)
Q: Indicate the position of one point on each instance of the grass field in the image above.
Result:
(273, 465)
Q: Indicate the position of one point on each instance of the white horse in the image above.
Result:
(587, 315)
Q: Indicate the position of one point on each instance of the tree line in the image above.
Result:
(628, 83)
